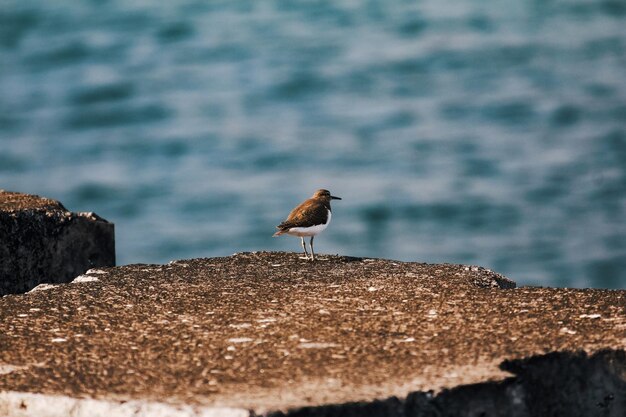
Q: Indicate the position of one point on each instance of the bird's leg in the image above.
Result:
(306, 255)
(312, 253)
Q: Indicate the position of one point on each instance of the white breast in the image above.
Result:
(310, 231)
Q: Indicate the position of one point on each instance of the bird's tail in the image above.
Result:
(282, 228)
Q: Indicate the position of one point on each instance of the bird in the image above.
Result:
(309, 218)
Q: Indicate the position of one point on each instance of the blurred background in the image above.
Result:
(478, 132)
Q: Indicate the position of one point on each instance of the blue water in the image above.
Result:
(479, 132)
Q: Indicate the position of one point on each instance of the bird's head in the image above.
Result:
(325, 195)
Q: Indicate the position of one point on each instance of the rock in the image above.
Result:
(40, 241)
(270, 334)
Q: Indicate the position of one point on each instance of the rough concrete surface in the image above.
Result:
(40, 241)
(271, 334)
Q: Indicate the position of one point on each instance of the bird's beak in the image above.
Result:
(332, 197)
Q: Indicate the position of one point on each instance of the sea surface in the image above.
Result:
(476, 132)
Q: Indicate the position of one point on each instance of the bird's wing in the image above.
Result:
(310, 213)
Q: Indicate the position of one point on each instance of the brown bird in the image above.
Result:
(308, 219)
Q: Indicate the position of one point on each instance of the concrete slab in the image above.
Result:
(41, 241)
(273, 334)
